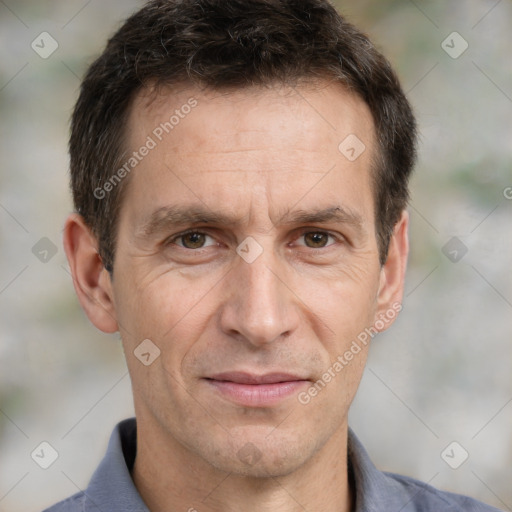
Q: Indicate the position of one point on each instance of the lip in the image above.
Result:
(251, 390)
(250, 378)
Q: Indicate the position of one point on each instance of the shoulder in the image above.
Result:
(74, 503)
(425, 498)
(377, 490)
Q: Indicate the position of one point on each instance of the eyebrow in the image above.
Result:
(170, 216)
(330, 214)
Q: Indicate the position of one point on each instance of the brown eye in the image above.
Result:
(194, 240)
(316, 239)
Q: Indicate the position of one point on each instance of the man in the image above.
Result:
(239, 172)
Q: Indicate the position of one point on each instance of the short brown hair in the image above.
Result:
(233, 43)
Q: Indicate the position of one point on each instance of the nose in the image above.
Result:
(261, 306)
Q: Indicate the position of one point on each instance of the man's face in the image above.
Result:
(278, 274)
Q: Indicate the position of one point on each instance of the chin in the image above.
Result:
(269, 466)
(262, 456)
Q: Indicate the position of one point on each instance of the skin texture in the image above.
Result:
(256, 155)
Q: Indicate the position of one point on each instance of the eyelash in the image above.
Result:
(305, 231)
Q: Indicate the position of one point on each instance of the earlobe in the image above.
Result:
(90, 279)
(392, 274)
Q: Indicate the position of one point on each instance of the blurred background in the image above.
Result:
(440, 375)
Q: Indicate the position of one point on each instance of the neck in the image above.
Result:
(170, 477)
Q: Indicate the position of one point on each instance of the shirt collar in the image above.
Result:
(374, 490)
(111, 488)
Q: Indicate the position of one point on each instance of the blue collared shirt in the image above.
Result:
(111, 488)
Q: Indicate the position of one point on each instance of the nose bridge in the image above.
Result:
(259, 305)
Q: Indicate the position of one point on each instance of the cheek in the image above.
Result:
(341, 310)
(172, 312)
(343, 300)
(163, 308)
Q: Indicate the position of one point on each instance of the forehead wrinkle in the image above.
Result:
(192, 173)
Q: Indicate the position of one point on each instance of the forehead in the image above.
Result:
(272, 144)
(320, 105)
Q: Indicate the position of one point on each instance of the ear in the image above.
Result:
(90, 278)
(392, 274)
